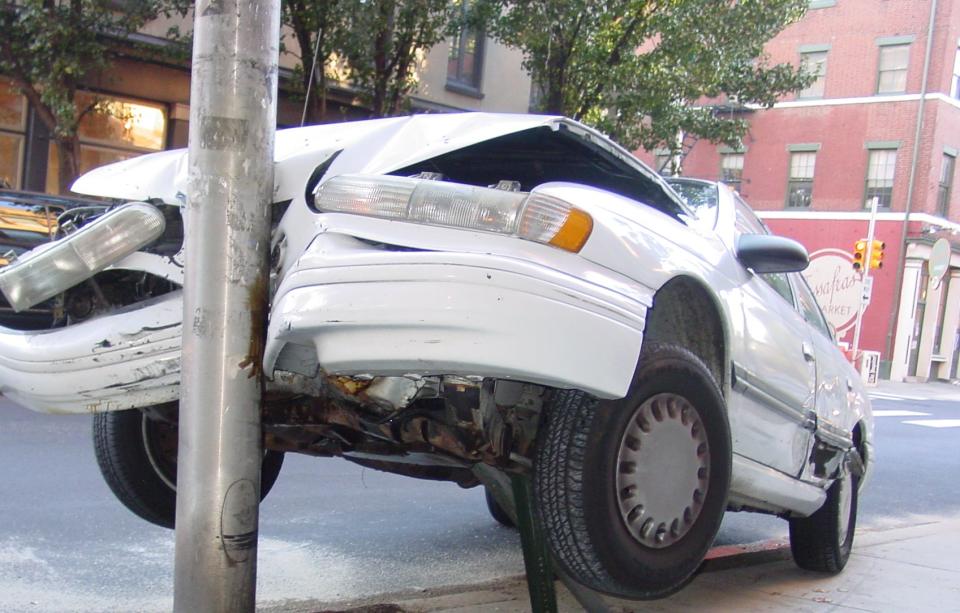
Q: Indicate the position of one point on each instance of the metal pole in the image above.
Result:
(866, 276)
(536, 554)
(232, 126)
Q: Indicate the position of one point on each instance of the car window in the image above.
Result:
(747, 222)
(700, 196)
(779, 282)
(809, 307)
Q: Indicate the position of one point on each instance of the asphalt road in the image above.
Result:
(331, 530)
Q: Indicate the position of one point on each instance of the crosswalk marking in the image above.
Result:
(897, 413)
(935, 423)
(885, 396)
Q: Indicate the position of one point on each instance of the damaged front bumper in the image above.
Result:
(352, 308)
(356, 308)
(128, 359)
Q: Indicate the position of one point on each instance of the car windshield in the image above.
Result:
(701, 196)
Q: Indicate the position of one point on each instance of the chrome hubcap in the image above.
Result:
(663, 470)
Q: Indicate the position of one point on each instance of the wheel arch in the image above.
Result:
(686, 312)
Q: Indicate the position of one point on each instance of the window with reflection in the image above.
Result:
(892, 77)
(112, 130)
(800, 184)
(731, 169)
(881, 168)
(465, 62)
(13, 120)
(814, 62)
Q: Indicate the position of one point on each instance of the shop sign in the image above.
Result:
(837, 286)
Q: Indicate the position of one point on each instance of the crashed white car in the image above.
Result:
(466, 296)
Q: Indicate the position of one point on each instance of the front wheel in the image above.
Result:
(137, 456)
(822, 542)
(631, 492)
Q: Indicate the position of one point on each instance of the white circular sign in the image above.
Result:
(939, 260)
(837, 285)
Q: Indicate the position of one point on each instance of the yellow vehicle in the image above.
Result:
(23, 227)
(27, 220)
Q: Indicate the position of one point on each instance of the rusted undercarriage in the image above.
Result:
(426, 427)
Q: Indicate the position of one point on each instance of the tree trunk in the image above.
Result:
(68, 158)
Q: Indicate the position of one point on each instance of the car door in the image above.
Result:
(773, 416)
(834, 382)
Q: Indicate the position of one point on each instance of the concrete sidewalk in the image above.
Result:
(914, 568)
(930, 390)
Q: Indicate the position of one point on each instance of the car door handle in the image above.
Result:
(808, 352)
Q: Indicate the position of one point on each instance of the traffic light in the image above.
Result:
(876, 254)
(859, 253)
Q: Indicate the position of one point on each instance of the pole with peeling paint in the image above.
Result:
(232, 127)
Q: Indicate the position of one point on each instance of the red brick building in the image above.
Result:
(812, 163)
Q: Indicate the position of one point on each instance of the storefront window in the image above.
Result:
(13, 113)
(117, 130)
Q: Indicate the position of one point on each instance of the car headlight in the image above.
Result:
(50, 269)
(531, 216)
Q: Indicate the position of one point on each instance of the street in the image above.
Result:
(332, 531)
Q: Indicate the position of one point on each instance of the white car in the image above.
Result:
(466, 296)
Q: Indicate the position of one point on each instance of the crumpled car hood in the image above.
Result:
(376, 146)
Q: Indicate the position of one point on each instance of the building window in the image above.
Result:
(731, 169)
(814, 62)
(892, 78)
(880, 171)
(123, 129)
(662, 161)
(955, 83)
(800, 184)
(465, 62)
(13, 121)
(946, 183)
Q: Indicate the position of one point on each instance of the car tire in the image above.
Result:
(822, 541)
(497, 511)
(631, 492)
(137, 458)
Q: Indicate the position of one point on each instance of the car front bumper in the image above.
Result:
(130, 358)
(353, 308)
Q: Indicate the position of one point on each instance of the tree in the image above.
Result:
(644, 70)
(49, 48)
(374, 44)
(383, 43)
(319, 27)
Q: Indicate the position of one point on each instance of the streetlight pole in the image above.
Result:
(867, 287)
(232, 127)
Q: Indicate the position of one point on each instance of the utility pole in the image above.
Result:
(227, 223)
(867, 279)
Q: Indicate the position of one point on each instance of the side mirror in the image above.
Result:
(764, 253)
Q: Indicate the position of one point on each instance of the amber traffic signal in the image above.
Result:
(876, 254)
(859, 253)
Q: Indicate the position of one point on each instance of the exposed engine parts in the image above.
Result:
(431, 426)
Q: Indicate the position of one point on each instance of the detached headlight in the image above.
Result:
(48, 270)
(530, 216)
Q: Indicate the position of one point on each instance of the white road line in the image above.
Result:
(897, 413)
(883, 396)
(935, 423)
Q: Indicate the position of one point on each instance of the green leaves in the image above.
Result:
(50, 47)
(645, 70)
(375, 45)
